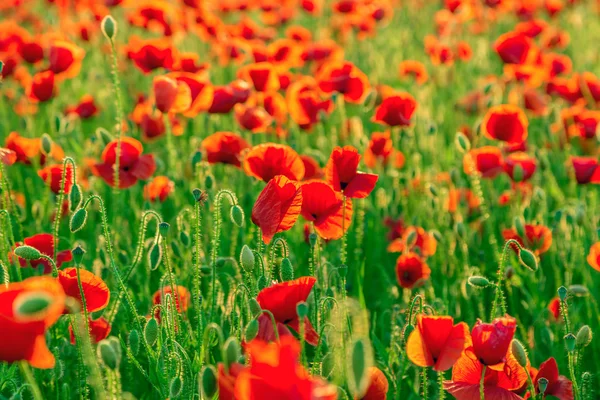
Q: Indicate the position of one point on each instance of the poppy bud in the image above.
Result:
(107, 354)
(287, 271)
(411, 238)
(302, 310)
(570, 342)
(433, 190)
(518, 173)
(437, 235)
(27, 252)
(78, 220)
(31, 303)
(109, 27)
(46, 144)
(134, 341)
(237, 215)
(255, 308)
(196, 159)
(75, 197)
(579, 290)
(175, 387)
(478, 281)
(208, 382)
(343, 270)
(247, 259)
(197, 194)
(358, 378)
(155, 256)
(262, 282)
(209, 181)
(232, 351)
(528, 259)
(519, 226)
(570, 219)
(462, 143)
(312, 239)
(432, 128)
(519, 352)
(78, 253)
(184, 238)
(176, 250)
(558, 216)
(461, 230)
(163, 229)
(562, 293)
(104, 136)
(251, 330)
(151, 331)
(455, 176)
(542, 385)
(584, 336)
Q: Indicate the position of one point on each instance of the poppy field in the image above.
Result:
(299, 199)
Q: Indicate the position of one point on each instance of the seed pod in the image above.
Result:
(343, 270)
(208, 382)
(358, 376)
(233, 351)
(247, 259)
(75, 197)
(78, 253)
(411, 238)
(251, 330)
(134, 341)
(519, 352)
(528, 259)
(46, 146)
(176, 249)
(478, 281)
(197, 193)
(562, 293)
(196, 158)
(570, 342)
(584, 336)
(184, 238)
(155, 256)
(109, 27)
(302, 310)
(27, 252)
(151, 331)
(237, 215)
(209, 181)
(542, 385)
(107, 354)
(287, 271)
(175, 387)
(78, 220)
(163, 229)
(312, 239)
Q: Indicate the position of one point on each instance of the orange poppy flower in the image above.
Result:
(491, 341)
(171, 95)
(23, 329)
(415, 69)
(277, 207)
(95, 290)
(189, 62)
(226, 380)
(557, 64)
(26, 149)
(262, 76)
(7, 156)
(224, 147)
(42, 87)
(182, 298)
(507, 123)
(378, 385)
(411, 270)
(253, 119)
(226, 97)
(531, 28)
(133, 165)
(559, 386)
(281, 300)
(566, 88)
(44, 243)
(424, 242)
(396, 110)
(527, 163)
(312, 169)
(85, 109)
(266, 160)
(201, 92)
(151, 54)
(586, 169)
(159, 188)
(52, 176)
(464, 51)
(322, 51)
(341, 173)
(515, 48)
(437, 342)
(381, 151)
(99, 330)
(593, 257)
(456, 196)
(284, 54)
(324, 207)
(538, 238)
(344, 78)
(305, 104)
(65, 59)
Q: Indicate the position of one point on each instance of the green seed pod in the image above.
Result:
(262, 282)
(247, 259)
(287, 271)
(209, 181)
(237, 215)
(46, 146)
(570, 342)
(155, 256)
(255, 308)
(107, 354)
(116, 346)
(562, 293)
(327, 365)
(175, 387)
(75, 197)
(528, 259)
(32, 303)
(109, 27)
(27, 252)
(208, 382)
(104, 136)
(584, 336)
(478, 281)
(198, 194)
(163, 229)
(233, 351)
(542, 385)
(184, 238)
(312, 239)
(358, 376)
(519, 352)
(558, 216)
(134, 341)
(78, 253)
(176, 249)
(462, 143)
(78, 220)
(251, 330)
(579, 290)
(151, 331)
(302, 310)
(411, 238)
(437, 235)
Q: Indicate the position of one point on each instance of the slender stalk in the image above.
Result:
(30, 379)
(481, 384)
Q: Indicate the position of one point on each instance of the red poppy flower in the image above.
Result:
(593, 257)
(182, 298)
(201, 92)
(586, 170)
(566, 88)
(42, 88)
(26, 149)
(133, 165)
(226, 97)
(345, 78)
(224, 147)
(396, 110)
(424, 242)
(151, 54)
(99, 330)
(152, 122)
(381, 151)
(269, 159)
(281, 300)
(378, 385)
(507, 123)
(437, 342)
(527, 163)
(226, 380)
(491, 341)
(277, 207)
(65, 59)
(32, 52)
(7, 156)
(188, 62)
(464, 51)
(262, 76)
(85, 109)
(95, 290)
(171, 95)
(535, 102)
(23, 331)
(341, 173)
(305, 104)
(538, 238)
(395, 227)
(324, 207)
(44, 243)
(554, 308)
(486, 160)
(514, 48)
(411, 270)
(312, 169)
(52, 176)
(497, 385)
(253, 119)
(415, 69)
(159, 189)
(559, 386)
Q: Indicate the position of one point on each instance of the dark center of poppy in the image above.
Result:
(343, 185)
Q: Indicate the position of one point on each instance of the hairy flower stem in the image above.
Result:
(499, 298)
(61, 199)
(197, 295)
(119, 115)
(30, 379)
(482, 383)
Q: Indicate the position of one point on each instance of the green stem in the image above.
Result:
(481, 384)
(30, 379)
